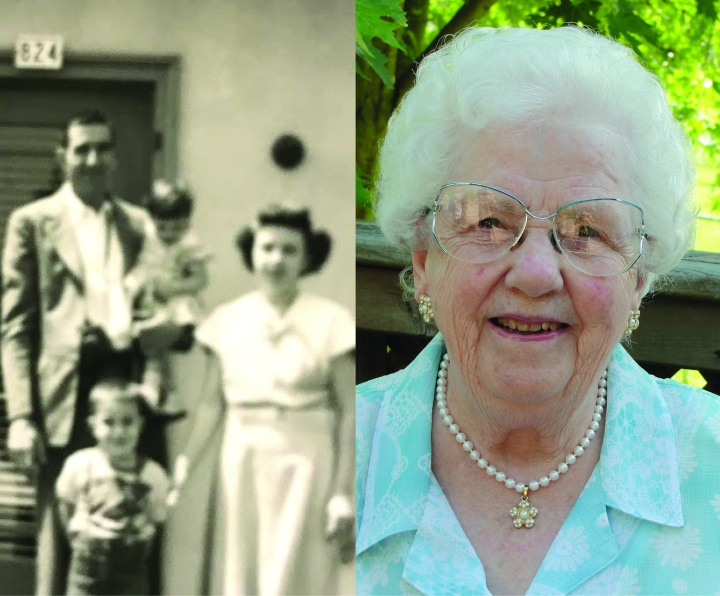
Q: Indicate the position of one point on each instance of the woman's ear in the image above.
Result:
(419, 258)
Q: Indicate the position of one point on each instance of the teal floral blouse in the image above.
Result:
(647, 522)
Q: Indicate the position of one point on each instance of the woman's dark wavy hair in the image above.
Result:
(317, 242)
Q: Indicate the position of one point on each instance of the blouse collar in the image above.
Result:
(635, 404)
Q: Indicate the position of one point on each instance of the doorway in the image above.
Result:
(140, 97)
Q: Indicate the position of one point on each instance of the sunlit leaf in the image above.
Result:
(379, 18)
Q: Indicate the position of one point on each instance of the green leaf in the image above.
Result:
(379, 18)
(374, 58)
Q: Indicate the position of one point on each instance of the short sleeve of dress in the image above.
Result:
(341, 333)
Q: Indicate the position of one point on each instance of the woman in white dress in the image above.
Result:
(285, 361)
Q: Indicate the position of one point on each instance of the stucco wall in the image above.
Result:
(251, 70)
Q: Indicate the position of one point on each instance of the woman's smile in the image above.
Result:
(528, 329)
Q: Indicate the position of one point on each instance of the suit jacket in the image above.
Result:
(44, 311)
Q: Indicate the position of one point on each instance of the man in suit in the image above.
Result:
(68, 283)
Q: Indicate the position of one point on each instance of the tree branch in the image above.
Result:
(471, 11)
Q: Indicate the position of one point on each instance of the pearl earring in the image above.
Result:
(633, 323)
(425, 308)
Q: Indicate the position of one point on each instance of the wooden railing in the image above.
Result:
(679, 326)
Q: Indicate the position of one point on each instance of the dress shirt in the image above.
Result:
(647, 522)
(102, 260)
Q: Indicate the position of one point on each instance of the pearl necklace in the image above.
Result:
(524, 514)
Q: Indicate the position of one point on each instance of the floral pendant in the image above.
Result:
(524, 514)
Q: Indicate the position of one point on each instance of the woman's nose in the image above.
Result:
(535, 264)
(274, 257)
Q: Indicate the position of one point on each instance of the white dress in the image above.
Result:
(277, 454)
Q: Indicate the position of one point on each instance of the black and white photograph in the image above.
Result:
(177, 185)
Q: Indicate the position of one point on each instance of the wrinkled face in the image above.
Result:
(89, 161)
(116, 425)
(170, 231)
(528, 325)
(278, 256)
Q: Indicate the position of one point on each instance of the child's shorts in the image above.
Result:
(112, 566)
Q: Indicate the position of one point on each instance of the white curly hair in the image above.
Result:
(486, 77)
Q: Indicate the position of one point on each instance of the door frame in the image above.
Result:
(161, 70)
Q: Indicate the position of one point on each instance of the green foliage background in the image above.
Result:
(676, 39)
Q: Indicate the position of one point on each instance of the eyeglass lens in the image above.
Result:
(477, 224)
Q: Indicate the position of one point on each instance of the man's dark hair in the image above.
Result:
(87, 117)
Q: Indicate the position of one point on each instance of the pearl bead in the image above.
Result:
(461, 438)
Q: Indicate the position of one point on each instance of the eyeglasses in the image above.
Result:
(476, 224)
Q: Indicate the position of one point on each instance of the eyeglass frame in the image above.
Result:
(551, 217)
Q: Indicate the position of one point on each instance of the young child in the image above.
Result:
(111, 499)
(176, 274)
(182, 272)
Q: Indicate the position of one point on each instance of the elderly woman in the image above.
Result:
(541, 183)
(285, 362)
